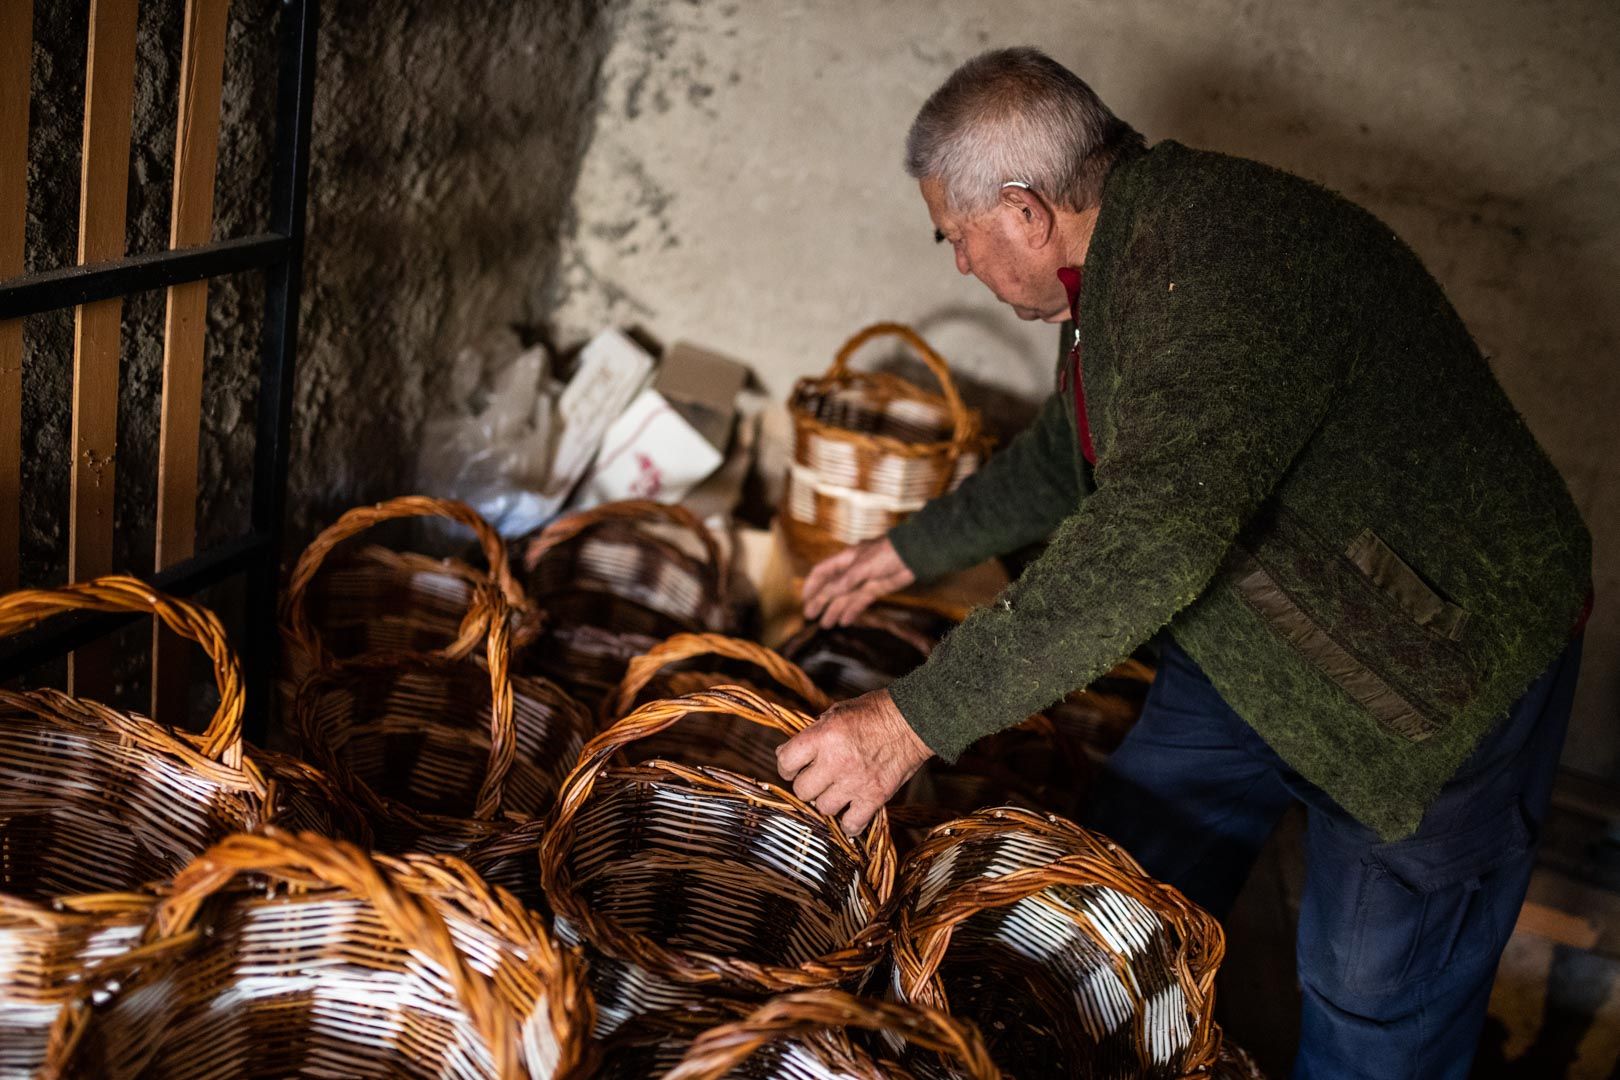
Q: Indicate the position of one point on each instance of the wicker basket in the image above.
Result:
(691, 883)
(1057, 945)
(378, 600)
(441, 753)
(94, 802)
(277, 955)
(871, 448)
(883, 643)
(808, 1034)
(716, 739)
(1233, 1062)
(613, 582)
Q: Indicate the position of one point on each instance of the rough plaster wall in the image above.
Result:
(744, 186)
(446, 139)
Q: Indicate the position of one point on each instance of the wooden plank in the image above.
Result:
(103, 183)
(191, 222)
(16, 51)
(1555, 925)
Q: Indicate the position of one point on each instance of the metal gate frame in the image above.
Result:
(278, 253)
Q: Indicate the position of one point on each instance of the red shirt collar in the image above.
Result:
(1071, 277)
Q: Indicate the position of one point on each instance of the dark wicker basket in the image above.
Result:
(441, 753)
(690, 883)
(277, 955)
(1056, 944)
(382, 601)
(613, 582)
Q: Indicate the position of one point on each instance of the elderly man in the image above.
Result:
(1274, 445)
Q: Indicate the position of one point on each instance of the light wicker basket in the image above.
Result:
(716, 739)
(1059, 947)
(614, 581)
(382, 601)
(276, 955)
(883, 643)
(688, 883)
(807, 1035)
(95, 803)
(441, 753)
(871, 448)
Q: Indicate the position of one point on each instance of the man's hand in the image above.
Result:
(841, 586)
(853, 759)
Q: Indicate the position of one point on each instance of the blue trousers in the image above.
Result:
(1398, 942)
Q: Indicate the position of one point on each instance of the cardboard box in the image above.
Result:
(649, 452)
(702, 386)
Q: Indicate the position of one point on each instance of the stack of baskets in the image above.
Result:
(870, 448)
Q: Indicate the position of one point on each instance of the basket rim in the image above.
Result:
(629, 512)
(874, 856)
(721, 1048)
(643, 669)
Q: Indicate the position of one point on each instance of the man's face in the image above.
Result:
(999, 249)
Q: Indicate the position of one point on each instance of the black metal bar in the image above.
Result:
(295, 96)
(69, 286)
(23, 652)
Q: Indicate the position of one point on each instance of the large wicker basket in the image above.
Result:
(809, 1034)
(95, 803)
(703, 662)
(277, 955)
(615, 580)
(691, 883)
(442, 753)
(1059, 947)
(380, 600)
(871, 448)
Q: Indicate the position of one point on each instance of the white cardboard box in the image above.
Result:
(649, 452)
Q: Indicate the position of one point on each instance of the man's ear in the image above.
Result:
(1033, 215)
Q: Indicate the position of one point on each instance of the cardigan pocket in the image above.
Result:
(1405, 586)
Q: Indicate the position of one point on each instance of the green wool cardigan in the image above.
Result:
(1305, 471)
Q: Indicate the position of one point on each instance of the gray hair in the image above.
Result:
(1016, 115)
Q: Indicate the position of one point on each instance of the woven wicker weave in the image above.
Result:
(689, 883)
(882, 644)
(276, 955)
(715, 739)
(807, 1035)
(94, 802)
(871, 448)
(613, 582)
(1059, 947)
(442, 753)
(1235, 1063)
(379, 600)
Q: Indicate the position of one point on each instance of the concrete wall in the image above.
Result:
(744, 187)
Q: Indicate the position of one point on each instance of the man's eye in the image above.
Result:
(939, 237)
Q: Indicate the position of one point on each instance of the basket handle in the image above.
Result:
(718, 1050)
(962, 423)
(301, 632)
(642, 669)
(657, 716)
(565, 529)
(310, 860)
(221, 740)
(502, 724)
